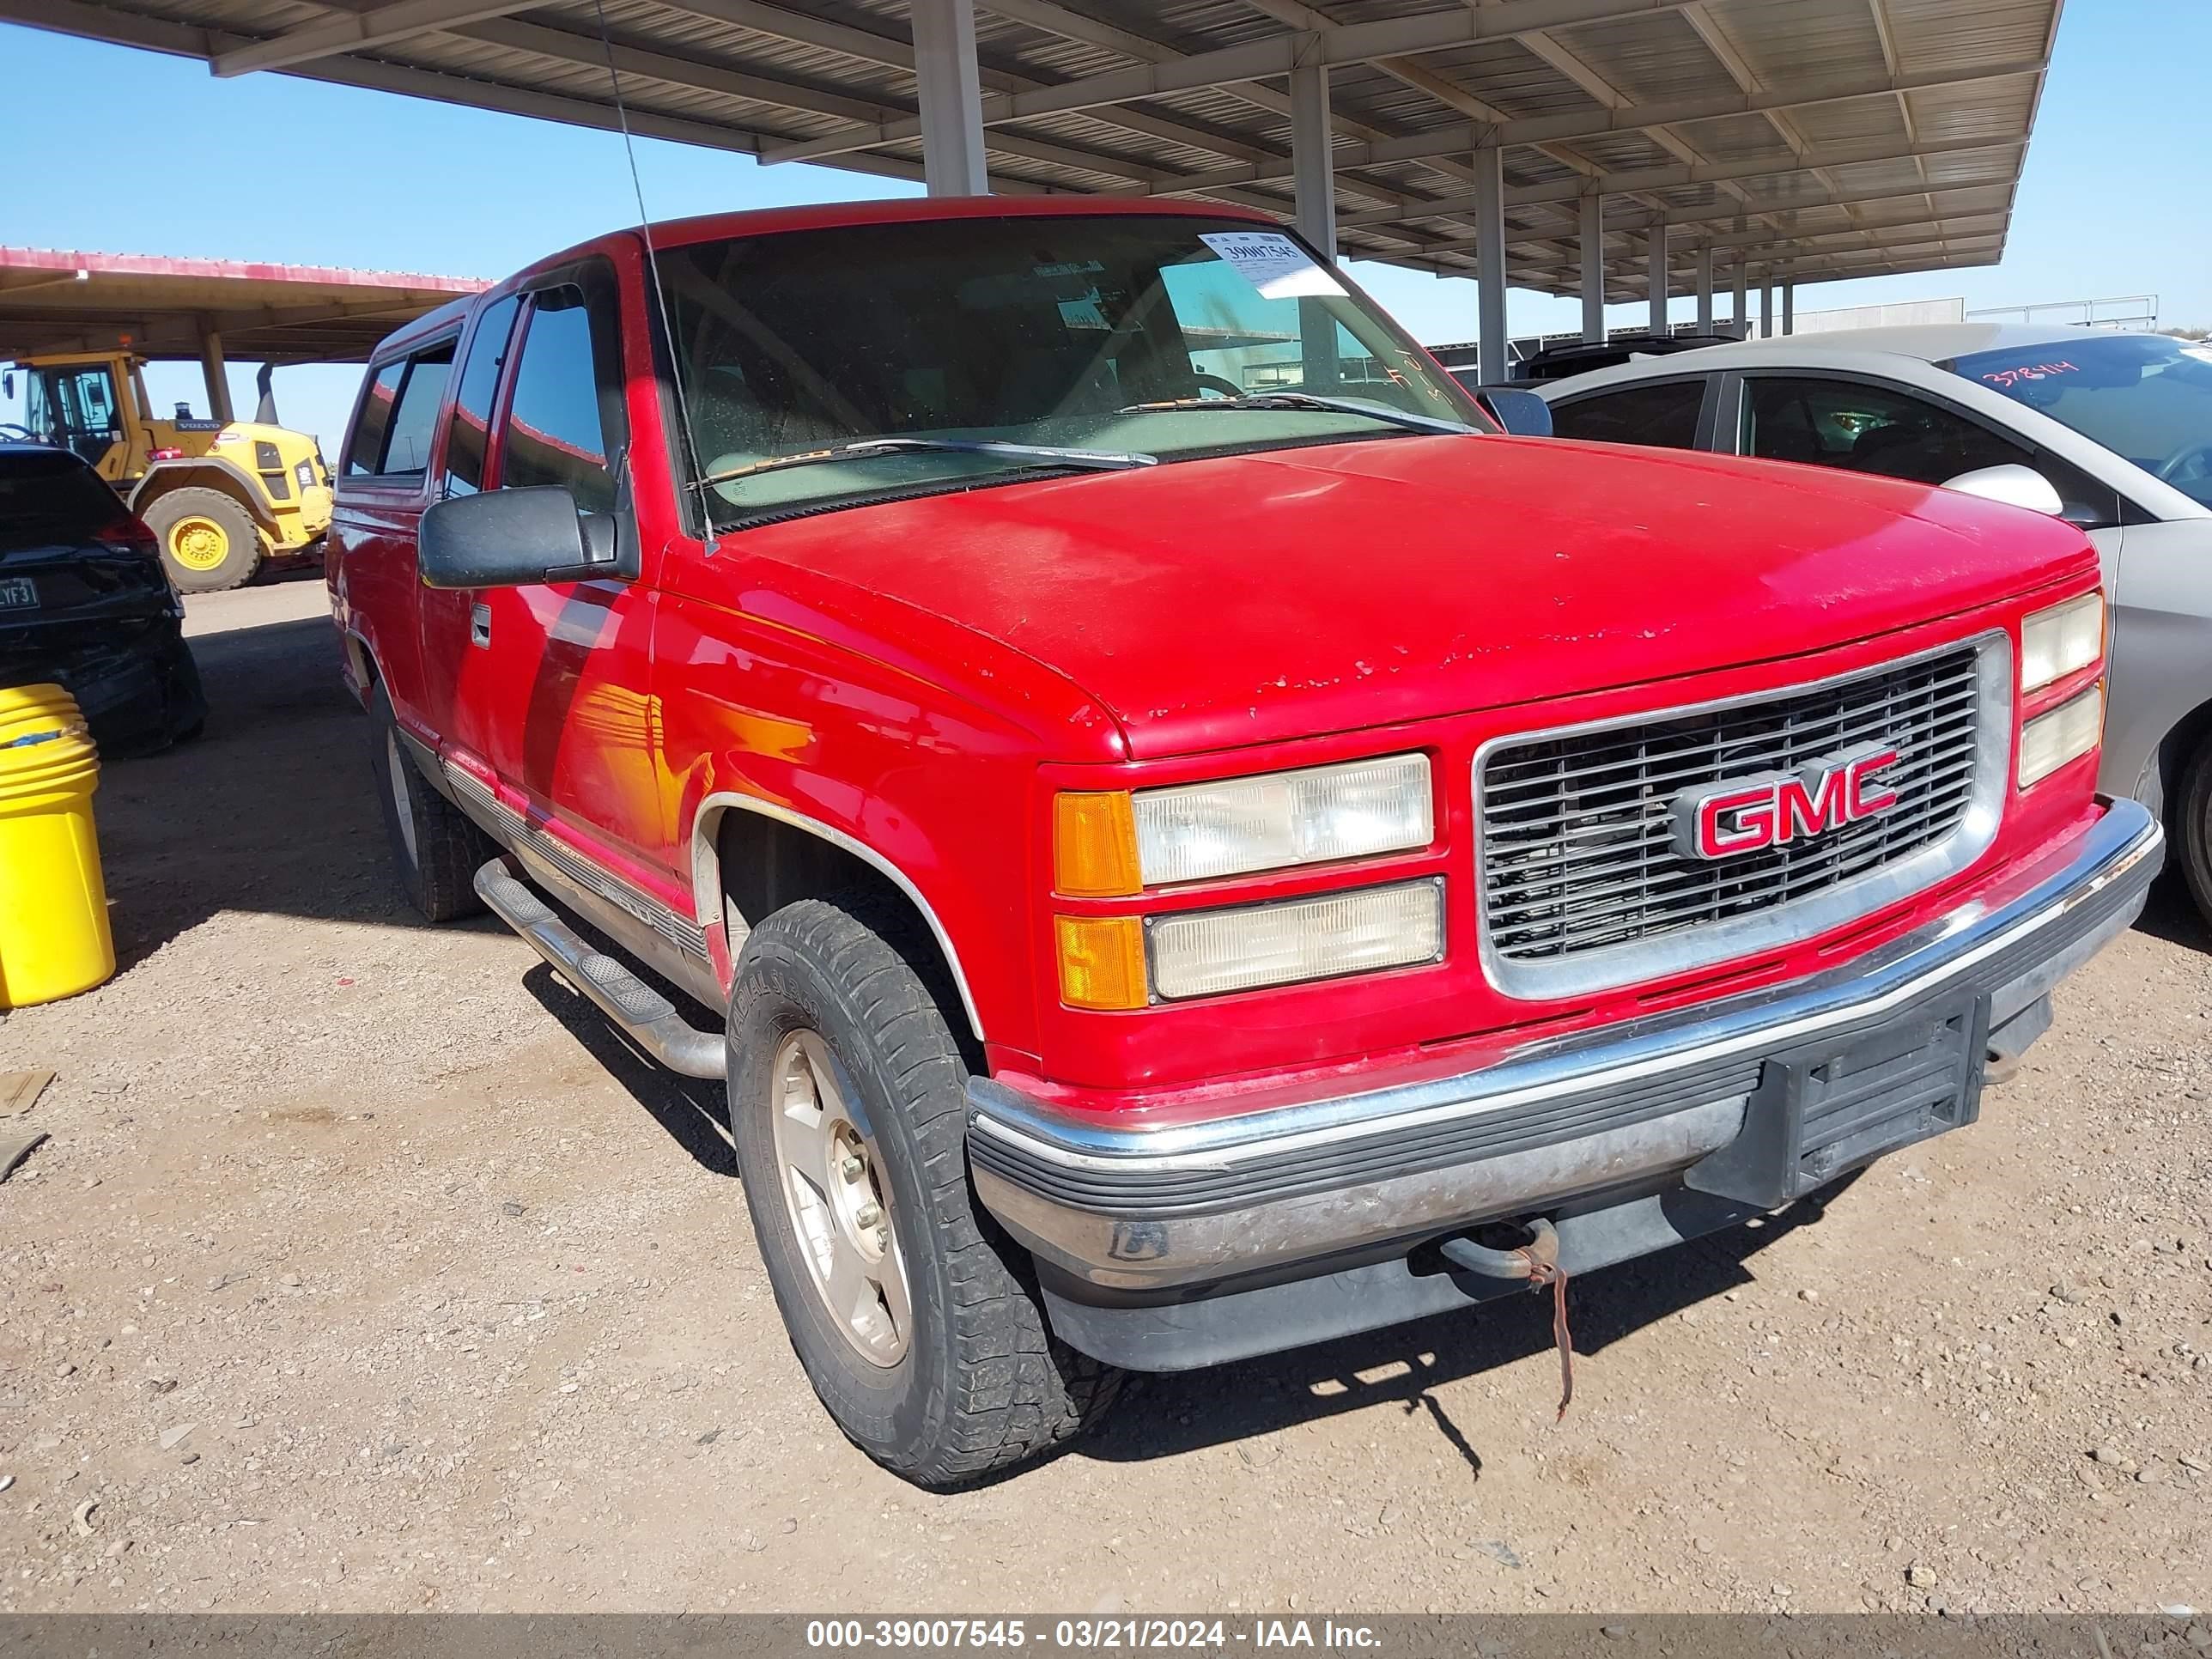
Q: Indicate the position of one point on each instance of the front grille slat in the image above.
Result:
(1602, 847)
(1576, 828)
(1564, 783)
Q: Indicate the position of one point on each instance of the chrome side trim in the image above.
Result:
(1796, 920)
(478, 800)
(1880, 983)
(706, 870)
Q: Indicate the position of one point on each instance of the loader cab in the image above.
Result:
(77, 403)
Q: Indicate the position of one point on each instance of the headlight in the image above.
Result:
(2065, 733)
(1206, 952)
(2060, 641)
(1113, 844)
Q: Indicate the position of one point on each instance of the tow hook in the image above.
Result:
(1537, 1261)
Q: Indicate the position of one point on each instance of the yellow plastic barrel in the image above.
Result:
(54, 940)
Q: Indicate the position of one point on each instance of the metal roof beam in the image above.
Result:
(1451, 140)
(1723, 216)
(1358, 43)
(380, 26)
(702, 74)
(1768, 255)
(1707, 172)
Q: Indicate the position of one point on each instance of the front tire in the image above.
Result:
(915, 1319)
(209, 542)
(436, 848)
(2190, 828)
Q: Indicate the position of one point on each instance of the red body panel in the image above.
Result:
(920, 677)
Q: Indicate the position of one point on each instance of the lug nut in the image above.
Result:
(883, 1238)
(850, 1166)
(868, 1214)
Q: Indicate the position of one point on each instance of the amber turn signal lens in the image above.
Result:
(1094, 845)
(1102, 961)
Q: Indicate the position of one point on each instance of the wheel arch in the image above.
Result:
(740, 838)
(2182, 740)
(360, 661)
(205, 472)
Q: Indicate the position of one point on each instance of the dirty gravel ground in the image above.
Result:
(365, 1270)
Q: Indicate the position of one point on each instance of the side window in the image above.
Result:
(364, 448)
(564, 423)
(1883, 430)
(414, 416)
(469, 434)
(1660, 413)
(391, 436)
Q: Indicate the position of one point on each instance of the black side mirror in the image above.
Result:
(514, 538)
(1523, 414)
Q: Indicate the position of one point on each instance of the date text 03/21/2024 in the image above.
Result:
(1091, 1635)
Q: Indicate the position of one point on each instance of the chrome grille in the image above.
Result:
(1578, 860)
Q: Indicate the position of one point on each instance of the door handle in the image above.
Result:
(480, 626)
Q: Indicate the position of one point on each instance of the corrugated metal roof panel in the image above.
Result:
(837, 76)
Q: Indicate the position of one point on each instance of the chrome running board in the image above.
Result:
(650, 1020)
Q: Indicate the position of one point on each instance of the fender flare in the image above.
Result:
(707, 883)
(248, 492)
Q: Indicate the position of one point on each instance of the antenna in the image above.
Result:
(652, 271)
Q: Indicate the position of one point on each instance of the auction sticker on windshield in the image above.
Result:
(1271, 262)
(17, 592)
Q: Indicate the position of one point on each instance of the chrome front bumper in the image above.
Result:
(1172, 1210)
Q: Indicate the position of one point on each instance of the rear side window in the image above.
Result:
(1660, 413)
(392, 436)
(1859, 428)
(469, 435)
(564, 423)
(364, 448)
(407, 446)
(50, 495)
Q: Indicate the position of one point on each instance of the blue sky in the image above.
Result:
(374, 180)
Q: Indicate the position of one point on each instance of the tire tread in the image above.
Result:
(1018, 1391)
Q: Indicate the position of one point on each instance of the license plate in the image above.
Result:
(17, 592)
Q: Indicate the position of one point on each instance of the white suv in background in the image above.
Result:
(2116, 428)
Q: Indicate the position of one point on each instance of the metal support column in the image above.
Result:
(1313, 175)
(1766, 307)
(1789, 305)
(1593, 251)
(952, 90)
(1655, 277)
(1490, 257)
(213, 369)
(1313, 169)
(1705, 290)
(1741, 315)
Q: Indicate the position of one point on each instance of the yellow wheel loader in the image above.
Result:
(220, 496)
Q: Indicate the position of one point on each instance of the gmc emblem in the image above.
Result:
(1780, 807)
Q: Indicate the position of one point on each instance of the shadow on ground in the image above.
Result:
(1403, 1364)
(272, 811)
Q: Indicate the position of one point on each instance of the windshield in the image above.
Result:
(73, 407)
(2146, 396)
(1041, 331)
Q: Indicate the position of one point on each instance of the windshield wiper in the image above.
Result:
(1093, 460)
(1306, 400)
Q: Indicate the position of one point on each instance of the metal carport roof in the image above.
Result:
(57, 300)
(1803, 139)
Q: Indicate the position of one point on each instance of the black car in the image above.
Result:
(85, 605)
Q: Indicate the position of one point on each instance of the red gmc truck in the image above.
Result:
(1197, 841)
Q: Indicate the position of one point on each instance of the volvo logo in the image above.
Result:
(1744, 815)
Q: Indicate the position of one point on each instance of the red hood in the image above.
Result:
(1210, 603)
